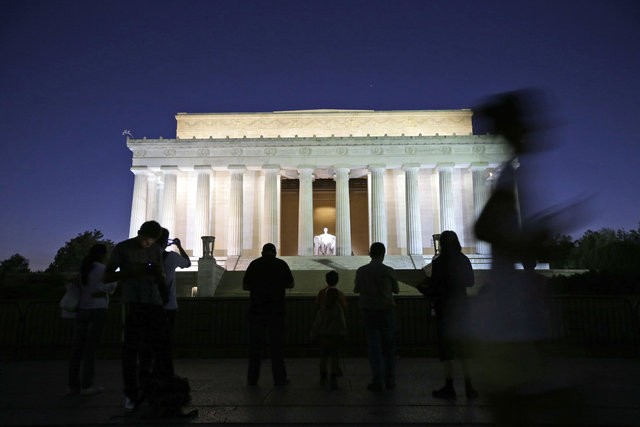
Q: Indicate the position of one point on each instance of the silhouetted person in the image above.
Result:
(144, 294)
(376, 283)
(171, 261)
(330, 329)
(91, 317)
(331, 278)
(451, 275)
(266, 279)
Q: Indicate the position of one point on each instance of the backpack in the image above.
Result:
(167, 396)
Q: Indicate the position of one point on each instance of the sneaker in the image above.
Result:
(444, 393)
(129, 404)
(96, 389)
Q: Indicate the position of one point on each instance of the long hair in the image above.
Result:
(96, 254)
(449, 243)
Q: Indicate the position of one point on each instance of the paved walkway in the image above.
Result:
(603, 392)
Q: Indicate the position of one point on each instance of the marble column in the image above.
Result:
(152, 197)
(447, 218)
(202, 213)
(480, 196)
(305, 211)
(343, 212)
(159, 196)
(234, 245)
(168, 218)
(378, 205)
(412, 195)
(139, 201)
(271, 211)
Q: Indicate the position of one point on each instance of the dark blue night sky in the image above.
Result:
(74, 74)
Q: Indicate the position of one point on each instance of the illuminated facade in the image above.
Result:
(397, 177)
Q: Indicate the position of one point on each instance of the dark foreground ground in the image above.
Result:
(585, 391)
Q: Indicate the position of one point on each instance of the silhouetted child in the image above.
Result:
(332, 281)
(330, 329)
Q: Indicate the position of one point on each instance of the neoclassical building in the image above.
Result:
(397, 177)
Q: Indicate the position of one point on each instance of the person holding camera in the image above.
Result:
(144, 294)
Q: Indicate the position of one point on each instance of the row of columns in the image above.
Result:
(147, 189)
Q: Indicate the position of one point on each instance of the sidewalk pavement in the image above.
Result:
(605, 392)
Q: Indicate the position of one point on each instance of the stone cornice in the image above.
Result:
(310, 141)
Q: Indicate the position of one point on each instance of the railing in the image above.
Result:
(10, 329)
(212, 327)
(598, 324)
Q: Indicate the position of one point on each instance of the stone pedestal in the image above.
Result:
(209, 272)
(209, 276)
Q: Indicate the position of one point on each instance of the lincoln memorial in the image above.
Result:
(397, 177)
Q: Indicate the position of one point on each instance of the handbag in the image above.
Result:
(70, 300)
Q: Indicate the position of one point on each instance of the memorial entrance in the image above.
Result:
(324, 213)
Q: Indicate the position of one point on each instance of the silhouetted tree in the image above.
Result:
(16, 263)
(558, 250)
(69, 257)
(608, 250)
